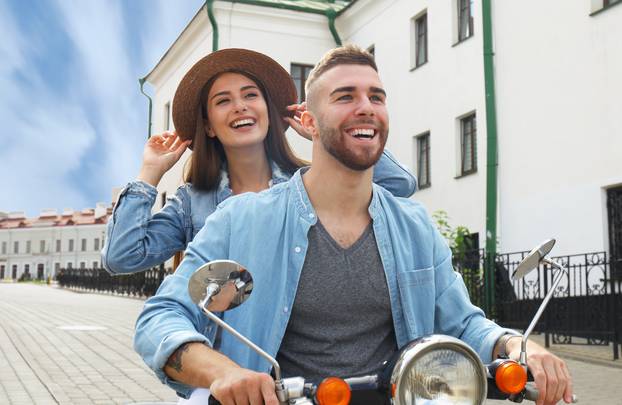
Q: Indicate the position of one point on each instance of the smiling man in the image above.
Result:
(344, 273)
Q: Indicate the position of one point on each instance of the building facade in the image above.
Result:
(554, 118)
(39, 247)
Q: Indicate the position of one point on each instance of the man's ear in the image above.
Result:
(208, 129)
(309, 123)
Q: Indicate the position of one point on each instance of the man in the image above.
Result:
(343, 272)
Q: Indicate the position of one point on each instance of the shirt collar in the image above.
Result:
(224, 187)
(306, 210)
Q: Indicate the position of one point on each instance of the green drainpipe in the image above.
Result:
(491, 159)
(332, 14)
(142, 84)
(209, 5)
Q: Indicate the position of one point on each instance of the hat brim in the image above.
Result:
(274, 78)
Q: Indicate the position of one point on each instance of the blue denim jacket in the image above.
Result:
(137, 240)
(267, 234)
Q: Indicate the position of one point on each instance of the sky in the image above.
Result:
(74, 122)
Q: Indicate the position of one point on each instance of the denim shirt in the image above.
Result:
(267, 233)
(137, 240)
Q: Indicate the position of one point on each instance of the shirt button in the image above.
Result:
(285, 309)
(311, 215)
(297, 249)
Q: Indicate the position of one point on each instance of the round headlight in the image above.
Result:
(438, 370)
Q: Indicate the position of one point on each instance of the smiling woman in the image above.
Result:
(232, 109)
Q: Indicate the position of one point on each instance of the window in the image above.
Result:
(423, 160)
(372, 50)
(96, 244)
(16, 247)
(3, 248)
(468, 145)
(465, 19)
(69, 265)
(83, 265)
(167, 116)
(83, 247)
(421, 39)
(58, 245)
(2, 269)
(28, 246)
(95, 265)
(56, 268)
(70, 247)
(27, 268)
(300, 73)
(42, 246)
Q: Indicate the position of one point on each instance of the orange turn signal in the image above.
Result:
(510, 377)
(333, 391)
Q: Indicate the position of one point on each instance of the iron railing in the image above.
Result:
(143, 284)
(587, 303)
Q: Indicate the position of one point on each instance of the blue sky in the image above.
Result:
(73, 119)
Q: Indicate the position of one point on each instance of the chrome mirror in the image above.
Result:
(220, 285)
(533, 259)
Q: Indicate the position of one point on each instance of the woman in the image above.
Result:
(228, 109)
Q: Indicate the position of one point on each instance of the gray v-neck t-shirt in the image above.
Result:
(341, 323)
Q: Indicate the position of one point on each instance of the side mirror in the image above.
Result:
(533, 259)
(220, 285)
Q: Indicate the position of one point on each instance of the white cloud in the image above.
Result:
(54, 144)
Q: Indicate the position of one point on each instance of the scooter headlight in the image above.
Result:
(438, 370)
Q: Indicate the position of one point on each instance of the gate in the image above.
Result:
(586, 302)
(614, 214)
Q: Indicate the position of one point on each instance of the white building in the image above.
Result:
(554, 74)
(43, 245)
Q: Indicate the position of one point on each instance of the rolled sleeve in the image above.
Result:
(136, 239)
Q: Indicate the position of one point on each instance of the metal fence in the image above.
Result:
(587, 302)
(143, 284)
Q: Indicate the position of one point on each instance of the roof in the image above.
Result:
(308, 6)
(84, 217)
(323, 7)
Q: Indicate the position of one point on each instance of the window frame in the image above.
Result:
(305, 69)
(423, 183)
(465, 6)
(464, 121)
(421, 39)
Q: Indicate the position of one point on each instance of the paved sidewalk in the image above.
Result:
(48, 355)
(63, 347)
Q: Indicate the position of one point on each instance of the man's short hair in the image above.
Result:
(343, 55)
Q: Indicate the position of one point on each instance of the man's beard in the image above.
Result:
(334, 143)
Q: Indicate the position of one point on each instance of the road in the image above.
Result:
(63, 347)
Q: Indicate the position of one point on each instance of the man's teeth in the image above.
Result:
(360, 132)
(239, 123)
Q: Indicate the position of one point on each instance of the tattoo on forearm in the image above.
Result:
(174, 361)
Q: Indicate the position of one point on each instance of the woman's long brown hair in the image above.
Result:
(208, 154)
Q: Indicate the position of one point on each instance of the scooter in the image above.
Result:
(435, 369)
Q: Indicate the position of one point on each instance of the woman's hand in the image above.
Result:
(295, 121)
(161, 152)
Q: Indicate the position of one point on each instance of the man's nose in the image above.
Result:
(365, 107)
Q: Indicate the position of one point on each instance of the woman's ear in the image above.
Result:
(208, 129)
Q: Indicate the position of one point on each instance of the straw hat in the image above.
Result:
(276, 81)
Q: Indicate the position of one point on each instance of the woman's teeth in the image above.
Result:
(239, 123)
